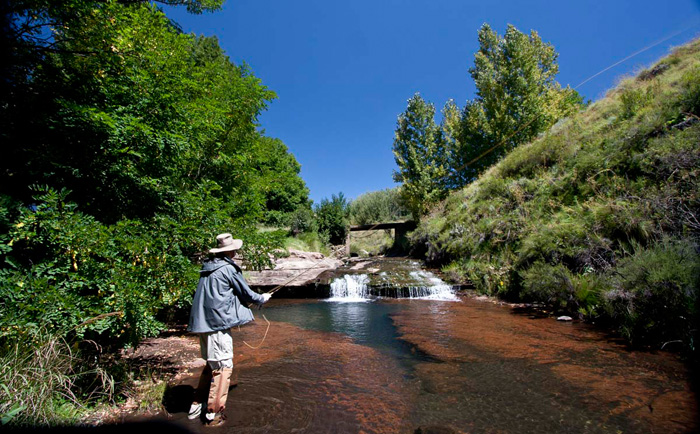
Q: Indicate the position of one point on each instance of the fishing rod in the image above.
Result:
(272, 291)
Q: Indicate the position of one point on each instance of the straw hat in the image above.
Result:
(225, 243)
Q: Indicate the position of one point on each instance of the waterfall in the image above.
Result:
(350, 287)
(431, 287)
(419, 284)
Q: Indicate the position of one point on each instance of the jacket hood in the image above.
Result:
(212, 265)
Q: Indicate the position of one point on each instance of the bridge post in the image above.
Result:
(347, 244)
(400, 231)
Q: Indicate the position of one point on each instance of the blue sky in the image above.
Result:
(343, 71)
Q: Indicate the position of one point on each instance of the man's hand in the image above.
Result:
(266, 297)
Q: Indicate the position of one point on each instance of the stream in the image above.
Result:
(384, 357)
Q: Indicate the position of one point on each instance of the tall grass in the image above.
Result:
(45, 382)
(36, 377)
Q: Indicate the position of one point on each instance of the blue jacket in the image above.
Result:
(217, 304)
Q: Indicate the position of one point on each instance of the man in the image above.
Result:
(219, 304)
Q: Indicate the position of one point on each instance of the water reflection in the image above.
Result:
(367, 324)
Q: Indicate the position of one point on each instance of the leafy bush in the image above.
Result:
(70, 274)
(690, 91)
(302, 220)
(332, 216)
(634, 99)
(654, 293)
(557, 286)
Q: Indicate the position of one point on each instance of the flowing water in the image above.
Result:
(416, 284)
(432, 361)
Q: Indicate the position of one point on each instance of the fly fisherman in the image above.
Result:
(219, 304)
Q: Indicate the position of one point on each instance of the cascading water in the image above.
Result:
(350, 287)
(414, 284)
(433, 287)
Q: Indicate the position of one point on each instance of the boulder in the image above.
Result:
(298, 269)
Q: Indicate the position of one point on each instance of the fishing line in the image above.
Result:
(561, 96)
(272, 291)
(263, 339)
(648, 47)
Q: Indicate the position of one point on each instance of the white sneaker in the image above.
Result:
(195, 411)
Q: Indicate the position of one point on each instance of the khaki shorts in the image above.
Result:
(217, 348)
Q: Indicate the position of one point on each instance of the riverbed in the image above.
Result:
(406, 365)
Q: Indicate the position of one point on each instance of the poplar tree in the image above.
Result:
(420, 154)
(517, 98)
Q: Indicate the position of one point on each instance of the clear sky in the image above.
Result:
(344, 70)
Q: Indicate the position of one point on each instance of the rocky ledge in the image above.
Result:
(296, 270)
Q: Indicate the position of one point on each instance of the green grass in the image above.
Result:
(558, 220)
(370, 243)
(36, 378)
(307, 242)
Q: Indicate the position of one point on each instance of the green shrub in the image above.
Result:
(277, 218)
(302, 220)
(690, 91)
(491, 275)
(558, 287)
(654, 293)
(634, 100)
(332, 216)
(78, 278)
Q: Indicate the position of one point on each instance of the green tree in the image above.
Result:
(279, 180)
(332, 217)
(154, 133)
(517, 98)
(421, 156)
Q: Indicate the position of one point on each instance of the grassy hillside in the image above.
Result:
(599, 217)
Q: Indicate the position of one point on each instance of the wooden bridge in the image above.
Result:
(400, 231)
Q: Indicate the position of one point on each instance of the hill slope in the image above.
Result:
(599, 217)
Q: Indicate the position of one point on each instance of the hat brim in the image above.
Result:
(235, 245)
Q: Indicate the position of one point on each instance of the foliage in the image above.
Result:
(655, 291)
(332, 216)
(153, 132)
(517, 98)
(598, 217)
(76, 277)
(420, 155)
(279, 180)
(302, 220)
(129, 146)
(377, 207)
